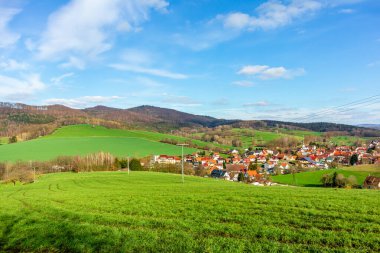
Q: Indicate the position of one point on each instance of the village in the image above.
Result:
(257, 166)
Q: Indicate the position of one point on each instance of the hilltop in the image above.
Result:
(29, 122)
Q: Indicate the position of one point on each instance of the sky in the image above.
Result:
(290, 60)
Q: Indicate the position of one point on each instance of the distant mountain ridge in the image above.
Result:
(372, 126)
(143, 117)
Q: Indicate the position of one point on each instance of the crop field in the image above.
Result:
(348, 140)
(301, 133)
(260, 137)
(313, 178)
(153, 212)
(84, 139)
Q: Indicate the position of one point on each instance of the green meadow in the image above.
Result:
(261, 137)
(154, 212)
(85, 139)
(313, 178)
(348, 140)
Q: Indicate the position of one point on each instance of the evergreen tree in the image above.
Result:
(354, 159)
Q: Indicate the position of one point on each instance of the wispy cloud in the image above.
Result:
(96, 21)
(12, 88)
(180, 101)
(13, 65)
(244, 83)
(58, 80)
(265, 72)
(270, 15)
(149, 71)
(82, 102)
(257, 104)
(346, 11)
(7, 36)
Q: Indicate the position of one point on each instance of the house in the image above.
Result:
(235, 167)
(372, 182)
(234, 152)
(284, 166)
(166, 159)
(252, 173)
(223, 174)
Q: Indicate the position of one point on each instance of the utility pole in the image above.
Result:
(128, 165)
(34, 170)
(182, 145)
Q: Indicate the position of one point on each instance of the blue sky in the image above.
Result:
(282, 60)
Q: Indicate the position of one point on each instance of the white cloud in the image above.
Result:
(257, 104)
(272, 14)
(265, 72)
(7, 37)
(14, 88)
(85, 27)
(57, 80)
(149, 71)
(252, 70)
(346, 11)
(81, 102)
(74, 62)
(12, 65)
(244, 83)
(180, 101)
(237, 20)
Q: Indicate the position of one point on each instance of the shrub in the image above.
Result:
(340, 181)
(135, 164)
(241, 177)
(326, 180)
(12, 139)
(352, 181)
(200, 171)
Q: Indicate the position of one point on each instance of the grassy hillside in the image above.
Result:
(99, 131)
(85, 139)
(152, 212)
(313, 178)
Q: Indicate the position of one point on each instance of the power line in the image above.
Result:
(361, 101)
(357, 106)
(337, 109)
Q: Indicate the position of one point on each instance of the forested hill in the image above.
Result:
(17, 119)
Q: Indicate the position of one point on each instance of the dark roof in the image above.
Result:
(372, 180)
(218, 173)
(309, 160)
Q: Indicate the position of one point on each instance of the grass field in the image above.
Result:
(152, 212)
(85, 139)
(348, 140)
(260, 137)
(313, 178)
(301, 133)
(3, 140)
